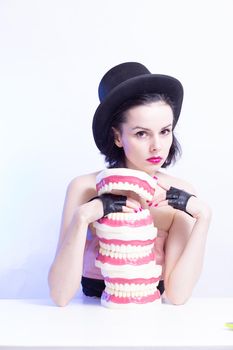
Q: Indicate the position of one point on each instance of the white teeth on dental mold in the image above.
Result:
(127, 269)
(129, 216)
(128, 248)
(140, 215)
(125, 233)
(129, 287)
(126, 186)
(131, 293)
(127, 172)
(128, 255)
(151, 270)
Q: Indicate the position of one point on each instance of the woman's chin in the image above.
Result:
(148, 168)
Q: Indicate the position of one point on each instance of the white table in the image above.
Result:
(38, 324)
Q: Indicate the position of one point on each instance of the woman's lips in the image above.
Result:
(154, 160)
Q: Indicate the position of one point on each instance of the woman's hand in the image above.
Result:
(113, 203)
(159, 198)
(107, 203)
(172, 196)
(179, 199)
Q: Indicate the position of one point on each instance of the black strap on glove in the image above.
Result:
(178, 199)
(112, 203)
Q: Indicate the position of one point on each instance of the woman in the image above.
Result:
(134, 127)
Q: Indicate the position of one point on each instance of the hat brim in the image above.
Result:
(146, 83)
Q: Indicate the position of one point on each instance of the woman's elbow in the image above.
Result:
(176, 298)
(58, 299)
(179, 301)
(56, 295)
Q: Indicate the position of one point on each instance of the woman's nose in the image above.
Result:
(155, 144)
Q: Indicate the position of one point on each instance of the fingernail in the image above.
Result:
(136, 210)
(140, 208)
(155, 205)
(149, 204)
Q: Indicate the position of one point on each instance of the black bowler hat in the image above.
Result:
(123, 82)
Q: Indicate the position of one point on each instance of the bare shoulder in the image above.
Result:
(83, 187)
(177, 182)
(83, 179)
(79, 191)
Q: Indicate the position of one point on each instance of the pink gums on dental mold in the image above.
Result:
(132, 180)
(131, 242)
(131, 223)
(126, 300)
(104, 259)
(129, 281)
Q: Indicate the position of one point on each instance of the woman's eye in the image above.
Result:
(165, 131)
(141, 134)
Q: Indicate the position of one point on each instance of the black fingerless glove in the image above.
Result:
(112, 203)
(178, 199)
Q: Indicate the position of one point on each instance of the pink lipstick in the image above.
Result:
(154, 160)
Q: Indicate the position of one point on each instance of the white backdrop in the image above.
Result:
(52, 56)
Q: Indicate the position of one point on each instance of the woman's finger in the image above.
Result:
(133, 204)
(162, 203)
(155, 203)
(129, 210)
(163, 184)
(159, 196)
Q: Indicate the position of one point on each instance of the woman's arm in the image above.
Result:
(185, 250)
(66, 270)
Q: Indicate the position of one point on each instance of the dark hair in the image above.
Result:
(115, 156)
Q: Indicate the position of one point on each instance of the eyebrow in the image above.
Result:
(146, 129)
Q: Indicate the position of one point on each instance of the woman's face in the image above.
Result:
(146, 136)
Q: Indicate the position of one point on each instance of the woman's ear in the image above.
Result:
(117, 137)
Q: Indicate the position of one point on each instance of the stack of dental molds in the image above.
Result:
(126, 254)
